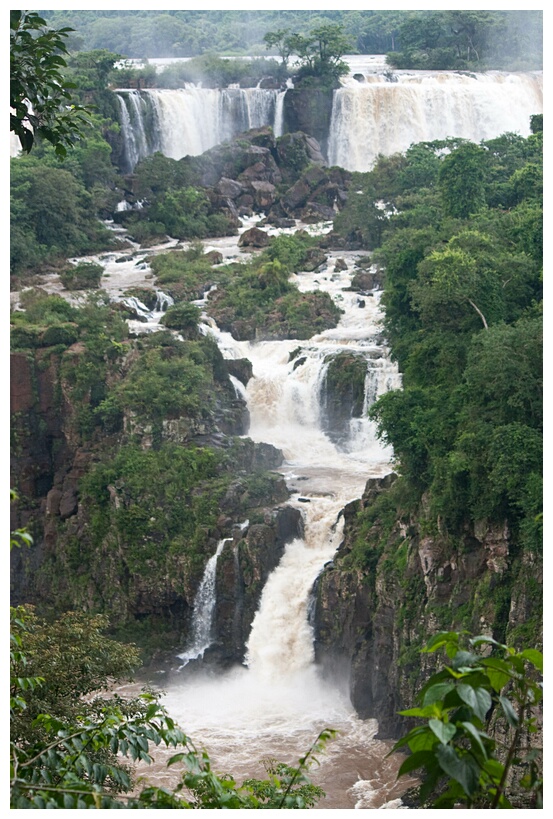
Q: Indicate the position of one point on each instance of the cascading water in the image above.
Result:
(202, 614)
(389, 112)
(385, 113)
(189, 121)
(278, 703)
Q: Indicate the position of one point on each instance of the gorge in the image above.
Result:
(202, 441)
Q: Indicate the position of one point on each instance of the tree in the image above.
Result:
(462, 180)
(320, 53)
(40, 98)
(67, 752)
(476, 698)
(279, 40)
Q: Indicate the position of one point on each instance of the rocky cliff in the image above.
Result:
(91, 496)
(393, 583)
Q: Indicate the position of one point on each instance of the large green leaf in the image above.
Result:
(533, 656)
(437, 692)
(476, 698)
(509, 711)
(443, 730)
(461, 768)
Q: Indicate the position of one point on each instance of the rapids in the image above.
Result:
(277, 703)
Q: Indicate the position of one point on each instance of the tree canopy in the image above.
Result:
(40, 97)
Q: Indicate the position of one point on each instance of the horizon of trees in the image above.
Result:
(498, 39)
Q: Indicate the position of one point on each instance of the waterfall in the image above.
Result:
(202, 614)
(382, 115)
(389, 112)
(188, 121)
(279, 114)
(277, 702)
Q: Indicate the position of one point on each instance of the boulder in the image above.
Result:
(229, 188)
(254, 237)
(264, 194)
(240, 368)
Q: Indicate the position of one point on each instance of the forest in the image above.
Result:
(413, 39)
(130, 455)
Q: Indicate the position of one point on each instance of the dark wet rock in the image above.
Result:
(229, 188)
(242, 571)
(214, 257)
(240, 368)
(254, 237)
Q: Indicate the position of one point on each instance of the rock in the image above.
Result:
(264, 194)
(309, 110)
(365, 281)
(295, 196)
(254, 237)
(240, 368)
(315, 257)
(21, 384)
(229, 188)
(314, 212)
(283, 223)
(340, 264)
(214, 257)
(242, 571)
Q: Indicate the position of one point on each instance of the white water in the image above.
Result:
(384, 114)
(188, 121)
(277, 704)
(389, 112)
(202, 614)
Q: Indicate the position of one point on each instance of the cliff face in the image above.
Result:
(107, 548)
(309, 110)
(375, 618)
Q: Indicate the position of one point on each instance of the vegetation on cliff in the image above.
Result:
(479, 713)
(456, 541)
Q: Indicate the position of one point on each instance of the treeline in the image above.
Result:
(414, 39)
(460, 238)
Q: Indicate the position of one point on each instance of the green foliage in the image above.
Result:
(82, 276)
(68, 749)
(503, 39)
(465, 39)
(290, 251)
(183, 317)
(40, 97)
(167, 382)
(176, 207)
(213, 71)
(478, 695)
(53, 216)
(320, 53)
(186, 274)
(461, 181)
(259, 301)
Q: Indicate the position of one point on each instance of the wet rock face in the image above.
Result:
(372, 619)
(242, 571)
(309, 110)
(342, 395)
(254, 237)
